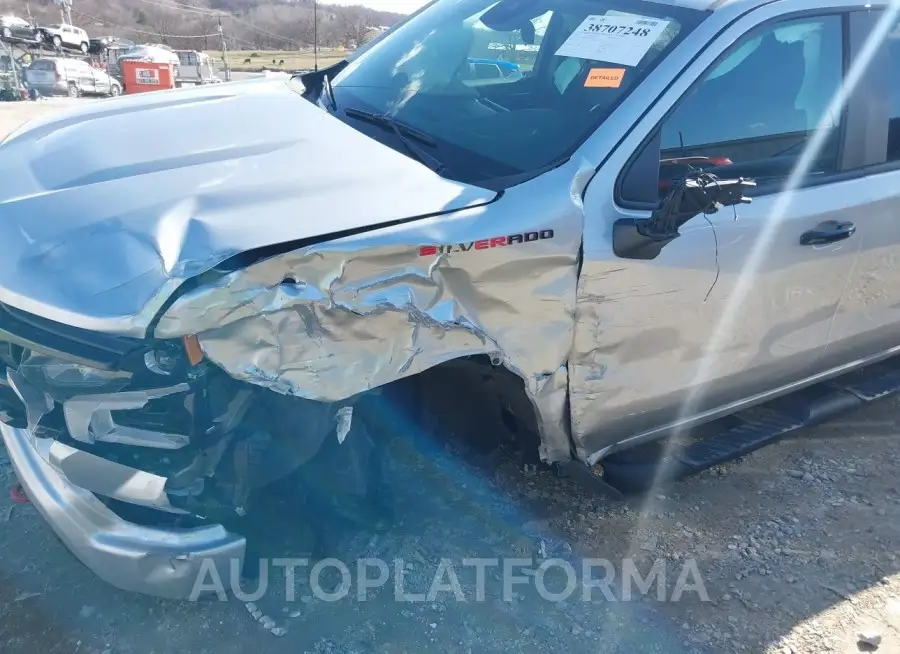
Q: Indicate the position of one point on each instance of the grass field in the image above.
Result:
(293, 59)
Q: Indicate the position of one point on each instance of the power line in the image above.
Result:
(254, 28)
(135, 31)
(186, 8)
(176, 6)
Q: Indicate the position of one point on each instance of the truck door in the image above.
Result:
(738, 305)
(865, 325)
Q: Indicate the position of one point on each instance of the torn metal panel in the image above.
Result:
(329, 321)
(85, 470)
(89, 418)
(107, 478)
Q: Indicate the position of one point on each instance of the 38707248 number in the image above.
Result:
(623, 30)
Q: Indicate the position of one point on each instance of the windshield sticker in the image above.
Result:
(604, 78)
(622, 40)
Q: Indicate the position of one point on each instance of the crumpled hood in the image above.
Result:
(105, 211)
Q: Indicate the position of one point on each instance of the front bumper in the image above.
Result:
(162, 562)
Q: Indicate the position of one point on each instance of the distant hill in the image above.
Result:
(247, 24)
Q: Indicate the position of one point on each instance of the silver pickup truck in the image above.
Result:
(674, 239)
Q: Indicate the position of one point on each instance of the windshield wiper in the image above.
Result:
(404, 133)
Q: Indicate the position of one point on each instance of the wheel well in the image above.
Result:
(472, 401)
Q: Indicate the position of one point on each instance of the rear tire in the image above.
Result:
(84, 48)
(74, 92)
(57, 42)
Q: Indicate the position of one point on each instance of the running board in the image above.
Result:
(743, 432)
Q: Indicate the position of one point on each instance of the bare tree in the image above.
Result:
(354, 26)
(165, 24)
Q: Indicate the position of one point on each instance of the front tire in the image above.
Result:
(84, 48)
(57, 42)
(114, 90)
(7, 33)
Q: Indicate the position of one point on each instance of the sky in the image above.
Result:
(398, 6)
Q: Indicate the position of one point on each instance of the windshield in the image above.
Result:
(507, 89)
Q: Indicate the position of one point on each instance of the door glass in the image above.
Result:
(754, 112)
(893, 144)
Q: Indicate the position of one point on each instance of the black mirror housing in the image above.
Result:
(698, 193)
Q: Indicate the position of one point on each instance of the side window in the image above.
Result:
(752, 114)
(893, 144)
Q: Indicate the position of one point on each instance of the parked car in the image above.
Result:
(480, 70)
(102, 44)
(72, 77)
(66, 37)
(266, 276)
(18, 30)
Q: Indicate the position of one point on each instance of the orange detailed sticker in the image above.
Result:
(605, 78)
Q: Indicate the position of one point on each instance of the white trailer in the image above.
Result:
(195, 68)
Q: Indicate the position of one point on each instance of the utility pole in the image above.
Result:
(65, 11)
(315, 35)
(224, 49)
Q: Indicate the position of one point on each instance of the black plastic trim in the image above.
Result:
(867, 111)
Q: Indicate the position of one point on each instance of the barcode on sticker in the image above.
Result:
(651, 23)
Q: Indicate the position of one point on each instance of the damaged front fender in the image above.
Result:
(328, 321)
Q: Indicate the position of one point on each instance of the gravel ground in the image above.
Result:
(791, 550)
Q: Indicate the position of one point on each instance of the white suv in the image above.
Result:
(67, 36)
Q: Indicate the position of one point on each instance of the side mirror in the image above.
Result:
(698, 193)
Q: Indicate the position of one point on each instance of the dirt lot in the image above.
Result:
(796, 548)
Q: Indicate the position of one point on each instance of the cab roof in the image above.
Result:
(712, 5)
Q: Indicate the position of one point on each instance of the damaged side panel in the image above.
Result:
(329, 321)
(641, 327)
